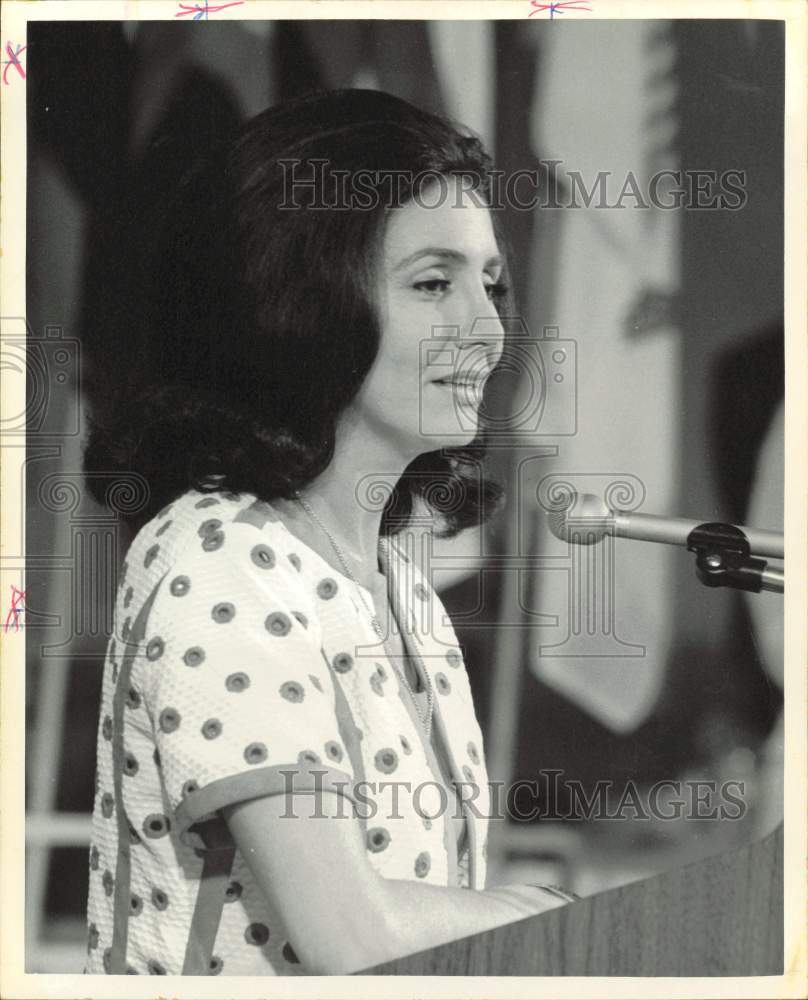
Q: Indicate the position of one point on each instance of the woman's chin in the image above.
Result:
(439, 429)
(451, 418)
(454, 436)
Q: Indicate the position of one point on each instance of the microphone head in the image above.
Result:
(584, 519)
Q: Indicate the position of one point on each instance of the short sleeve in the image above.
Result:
(236, 683)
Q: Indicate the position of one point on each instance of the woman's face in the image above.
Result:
(440, 332)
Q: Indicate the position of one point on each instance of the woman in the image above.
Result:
(290, 771)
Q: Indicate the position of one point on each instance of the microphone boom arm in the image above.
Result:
(656, 529)
(726, 555)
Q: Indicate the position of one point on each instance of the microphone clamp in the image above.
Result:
(723, 559)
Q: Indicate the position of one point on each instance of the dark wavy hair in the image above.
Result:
(264, 323)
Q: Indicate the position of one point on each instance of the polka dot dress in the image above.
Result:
(242, 665)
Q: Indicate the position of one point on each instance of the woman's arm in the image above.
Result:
(341, 916)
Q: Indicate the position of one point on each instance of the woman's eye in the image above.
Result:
(497, 291)
(434, 286)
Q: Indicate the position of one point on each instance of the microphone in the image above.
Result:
(586, 520)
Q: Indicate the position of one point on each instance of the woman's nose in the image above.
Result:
(483, 333)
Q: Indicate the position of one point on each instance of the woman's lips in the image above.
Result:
(468, 390)
(461, 383)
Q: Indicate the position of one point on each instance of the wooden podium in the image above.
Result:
(719, 917)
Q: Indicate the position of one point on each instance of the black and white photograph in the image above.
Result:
(403, 428)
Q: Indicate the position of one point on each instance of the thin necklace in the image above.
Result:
(426, 720)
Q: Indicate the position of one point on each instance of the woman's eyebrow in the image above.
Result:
(447, 254)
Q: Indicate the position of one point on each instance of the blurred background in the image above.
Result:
(664, 328)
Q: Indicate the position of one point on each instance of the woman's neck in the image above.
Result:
(366, 572)
(343, 499)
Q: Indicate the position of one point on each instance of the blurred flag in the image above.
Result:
(616, 274)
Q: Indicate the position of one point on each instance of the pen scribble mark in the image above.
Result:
(13, 61)
(202, 9)
(559, 7)
(17, 595)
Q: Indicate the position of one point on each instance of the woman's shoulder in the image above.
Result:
(224, 534)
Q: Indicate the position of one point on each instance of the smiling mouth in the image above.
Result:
(459, 383)
(468, 392)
